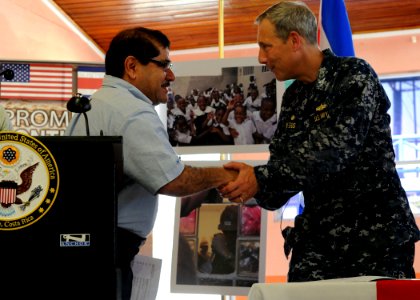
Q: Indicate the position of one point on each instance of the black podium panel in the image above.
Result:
(69, 253)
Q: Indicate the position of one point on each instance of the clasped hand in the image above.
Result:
(244, 187)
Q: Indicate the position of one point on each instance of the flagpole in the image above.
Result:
(223, 156)
(221, 29)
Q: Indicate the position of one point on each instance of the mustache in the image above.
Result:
(166, 84)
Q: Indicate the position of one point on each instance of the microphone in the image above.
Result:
(8, 74)
(80, 104)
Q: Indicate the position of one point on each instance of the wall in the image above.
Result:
(389, 53)
(30, 30)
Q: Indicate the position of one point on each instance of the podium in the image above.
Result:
(69, 253)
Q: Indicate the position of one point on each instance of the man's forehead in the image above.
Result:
(266, 29)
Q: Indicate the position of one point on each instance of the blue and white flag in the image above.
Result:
(334, 29)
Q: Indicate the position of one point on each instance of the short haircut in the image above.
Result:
(271, 100)
(140, 42)
(288, 16)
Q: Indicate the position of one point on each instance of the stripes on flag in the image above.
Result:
(334, 29)
(7, 195)
(38, 81)
(89, 79)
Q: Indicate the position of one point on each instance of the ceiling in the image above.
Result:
(193, 24)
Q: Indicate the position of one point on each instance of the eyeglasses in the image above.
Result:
(164, 64)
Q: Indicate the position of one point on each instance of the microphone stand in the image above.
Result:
(80, 104)
(86, 123)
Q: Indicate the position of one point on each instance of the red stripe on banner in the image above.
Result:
(89, 79)
(89, 83)
(400, 289)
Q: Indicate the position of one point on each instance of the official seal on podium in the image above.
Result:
(29, 180)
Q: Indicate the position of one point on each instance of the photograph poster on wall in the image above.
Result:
(234, 106)
(218, 245)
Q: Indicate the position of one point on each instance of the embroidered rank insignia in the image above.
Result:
(321, 107)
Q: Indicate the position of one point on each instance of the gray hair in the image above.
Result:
(289, 16)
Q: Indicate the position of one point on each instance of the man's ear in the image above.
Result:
(130, 66)
(295, 39)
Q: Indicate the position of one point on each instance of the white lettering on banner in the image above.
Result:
(43, 132)
(40, 118)
(49, 118)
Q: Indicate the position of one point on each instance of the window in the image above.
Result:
(404, 94)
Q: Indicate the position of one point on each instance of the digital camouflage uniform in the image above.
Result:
(333, 142)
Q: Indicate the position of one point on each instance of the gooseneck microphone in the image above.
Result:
(80, 104)
(7, 74)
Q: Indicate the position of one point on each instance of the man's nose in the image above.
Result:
(262, 58)
(170, 75)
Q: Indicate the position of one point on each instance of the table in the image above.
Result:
(355, 288)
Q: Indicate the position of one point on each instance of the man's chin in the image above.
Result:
(163, 100)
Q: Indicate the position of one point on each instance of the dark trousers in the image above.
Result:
(128, 245)
(310, 262)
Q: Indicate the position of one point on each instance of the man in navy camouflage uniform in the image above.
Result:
(333, 142)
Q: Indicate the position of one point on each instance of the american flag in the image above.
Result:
(89, 79)
(38, 81)
(334, 29)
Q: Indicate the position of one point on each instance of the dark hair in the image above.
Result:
(179, 118)
(229, 218)
(177, 97)
(140, 42)
(271, 99)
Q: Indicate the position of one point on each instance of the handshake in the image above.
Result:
(244, 187)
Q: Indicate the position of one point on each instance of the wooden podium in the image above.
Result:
(69, 253)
